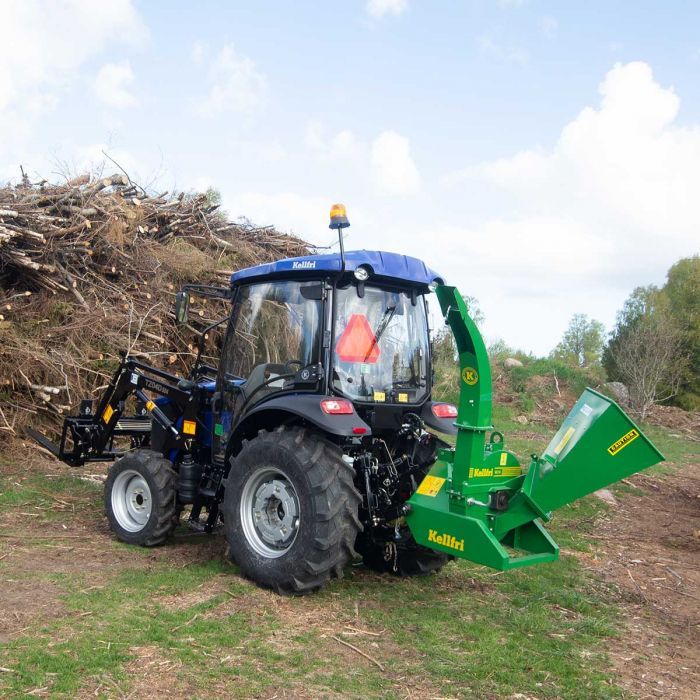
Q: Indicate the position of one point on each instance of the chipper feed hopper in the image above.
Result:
(312, 434)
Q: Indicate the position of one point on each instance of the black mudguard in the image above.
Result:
(442, 425)
(308, 407)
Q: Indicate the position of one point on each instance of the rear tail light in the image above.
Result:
(444, 410)
(336, 407)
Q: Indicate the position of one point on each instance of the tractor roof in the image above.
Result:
(391, 266)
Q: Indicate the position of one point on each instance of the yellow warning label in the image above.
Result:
(403, 398)
(470, 376)
(507, 471)
(623, 442)
(189, 427)
(504, 459)
(109, 412)
(564, 440)
(430, 486)
(379, 396)
(150, 405)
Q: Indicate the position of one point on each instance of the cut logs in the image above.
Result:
(91, 267)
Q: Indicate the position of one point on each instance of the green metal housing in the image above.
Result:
(478, 503)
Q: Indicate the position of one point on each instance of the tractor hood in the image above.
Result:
(380, 265)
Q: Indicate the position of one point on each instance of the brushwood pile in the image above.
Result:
(89, 268)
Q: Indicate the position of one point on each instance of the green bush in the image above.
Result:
(578, 378)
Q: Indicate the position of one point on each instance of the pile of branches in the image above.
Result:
(91, 267)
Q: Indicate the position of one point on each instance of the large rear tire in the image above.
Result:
(290, 511)
(140, 498)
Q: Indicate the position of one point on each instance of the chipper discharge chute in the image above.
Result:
(478, 504)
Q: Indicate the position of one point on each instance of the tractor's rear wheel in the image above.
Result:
(140, 500)
(290, 511)
(404, 557)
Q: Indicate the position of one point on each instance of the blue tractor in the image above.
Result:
(316, 437)
(306, 440)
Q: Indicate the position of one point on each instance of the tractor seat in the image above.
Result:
(261, 374)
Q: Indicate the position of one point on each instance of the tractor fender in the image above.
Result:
(279, 410)
(442, 425)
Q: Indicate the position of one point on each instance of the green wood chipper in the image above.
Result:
(314, 435)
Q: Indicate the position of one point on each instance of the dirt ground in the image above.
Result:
(648, 552)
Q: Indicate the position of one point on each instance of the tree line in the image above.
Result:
(654, 348)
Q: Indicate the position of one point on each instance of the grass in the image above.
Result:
(471, 633)
(468, 632)
(167, 623)
(32, 495)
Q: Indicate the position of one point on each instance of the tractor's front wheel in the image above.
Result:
(140, 500)
(290, 510)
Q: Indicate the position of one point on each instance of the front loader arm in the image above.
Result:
(89, 436)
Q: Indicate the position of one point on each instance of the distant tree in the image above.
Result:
(499, 349)
(477, 315)
(646, 350)
(682, 289)
(213, 197)
(444, 347)
(582, 343)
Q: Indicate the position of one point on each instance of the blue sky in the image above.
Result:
(544, 156)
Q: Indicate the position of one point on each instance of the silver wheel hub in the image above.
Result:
(269, 512)
(131, 501)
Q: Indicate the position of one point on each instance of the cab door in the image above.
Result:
(273, 335)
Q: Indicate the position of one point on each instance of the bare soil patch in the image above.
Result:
(650, 551)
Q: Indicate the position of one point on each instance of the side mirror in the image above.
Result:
(182, 305)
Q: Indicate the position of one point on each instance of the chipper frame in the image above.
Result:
(477, 503)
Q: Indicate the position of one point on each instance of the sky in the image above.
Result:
(544, 157)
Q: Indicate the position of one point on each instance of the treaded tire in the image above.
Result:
(406, 558)
(327, 503)
(157, 472)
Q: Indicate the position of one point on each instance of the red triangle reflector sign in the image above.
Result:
(357, 343)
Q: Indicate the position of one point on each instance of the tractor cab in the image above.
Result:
(353, 326)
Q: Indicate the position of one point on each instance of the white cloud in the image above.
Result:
(549, 26)
(273, 151)
(43, 48)
(112, 85)
(612, 205)
(306, 216)
(345, 145)
(43, 44)
(235, 85)
(92, 158)
(198, 52)
(625, 162)
(377, 9)
(493, 49)
(393, 169)
(386, 160)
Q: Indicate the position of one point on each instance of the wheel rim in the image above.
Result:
(270, 512)
(131, 501)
